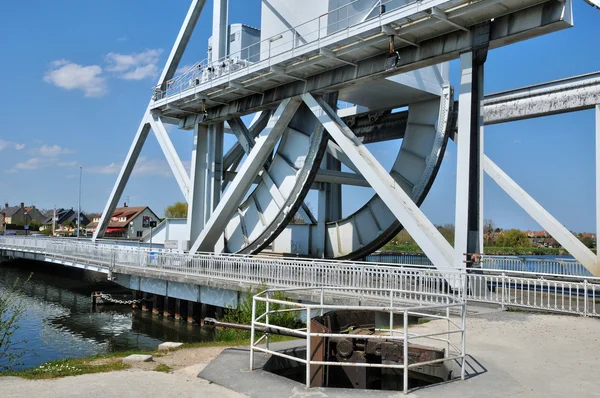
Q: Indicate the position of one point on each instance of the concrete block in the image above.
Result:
(137, 358)
(168, 346)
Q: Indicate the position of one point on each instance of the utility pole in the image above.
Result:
(79, 203)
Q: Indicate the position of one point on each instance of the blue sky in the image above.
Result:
(77, 77)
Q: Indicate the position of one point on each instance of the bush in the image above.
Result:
(243, 315)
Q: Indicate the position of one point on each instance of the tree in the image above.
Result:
(177, 210)
(488, 231)
(68, 224)
(512, 238)
(11, 311)
(587, 241)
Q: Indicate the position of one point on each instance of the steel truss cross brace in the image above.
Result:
(401, 205)
(258, 155)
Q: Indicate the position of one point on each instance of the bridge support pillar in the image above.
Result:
(469, 169)
(136, 296)
(166, 307)
(178, 309)
(157, 301)
(191, 312)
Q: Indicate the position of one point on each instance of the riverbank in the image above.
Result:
(513, 354)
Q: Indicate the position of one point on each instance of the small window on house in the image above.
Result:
(139, 234)
(232, 37)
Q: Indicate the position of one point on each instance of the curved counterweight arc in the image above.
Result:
(282, 187)
(415, 169)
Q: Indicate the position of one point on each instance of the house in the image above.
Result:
(20, 215)
(66, 221)
(127, 222)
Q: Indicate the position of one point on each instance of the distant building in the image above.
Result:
(20, 215)
(66, 221)
(127, 222)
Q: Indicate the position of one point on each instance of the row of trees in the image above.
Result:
(494, 237)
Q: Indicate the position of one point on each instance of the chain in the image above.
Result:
(108, 297)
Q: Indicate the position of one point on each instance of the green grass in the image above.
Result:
(109, 362)
(67, 367)
(161, 367)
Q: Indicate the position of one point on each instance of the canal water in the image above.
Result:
(60, 322)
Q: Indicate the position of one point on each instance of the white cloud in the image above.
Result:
(31, 164)
(71, 76)
(53, 150)
(134, 66)
(143, 167)
(40, 162)
(7, 144)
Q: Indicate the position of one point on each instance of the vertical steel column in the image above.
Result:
(212, 150)
(196, 205)
(220, 29)
(469, 169)
(330, 195)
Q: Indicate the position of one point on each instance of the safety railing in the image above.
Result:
(547, 265)
(542, 264)
(251, 270)
(451, 336)
(540, 291)
(307, 33)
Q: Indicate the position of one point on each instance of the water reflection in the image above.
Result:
(60, 322)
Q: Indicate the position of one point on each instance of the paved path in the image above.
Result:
(511, 355)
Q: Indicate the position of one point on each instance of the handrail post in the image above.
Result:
(503, 284)
(308, 348)
(405, 354)
(585, 298)
(267, 319)
(252, 334)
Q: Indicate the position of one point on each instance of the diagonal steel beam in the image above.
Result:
(400, 204)
(542, 217)
(171, 65)
(124, 174)
(183, 38)
(255, 161)
(182, 177)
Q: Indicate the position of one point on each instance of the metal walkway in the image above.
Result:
(548, 292)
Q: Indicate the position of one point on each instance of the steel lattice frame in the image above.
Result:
(303, 130)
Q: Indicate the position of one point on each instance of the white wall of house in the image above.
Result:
(173, 233)
(136, 230)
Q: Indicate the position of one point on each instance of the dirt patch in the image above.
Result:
(180, 359)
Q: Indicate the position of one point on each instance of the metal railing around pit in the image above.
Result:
(399, 302)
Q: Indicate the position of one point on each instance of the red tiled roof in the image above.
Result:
(129, 212)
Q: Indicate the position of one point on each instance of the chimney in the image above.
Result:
(22, 205)
(125, 204)
(6, 205)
